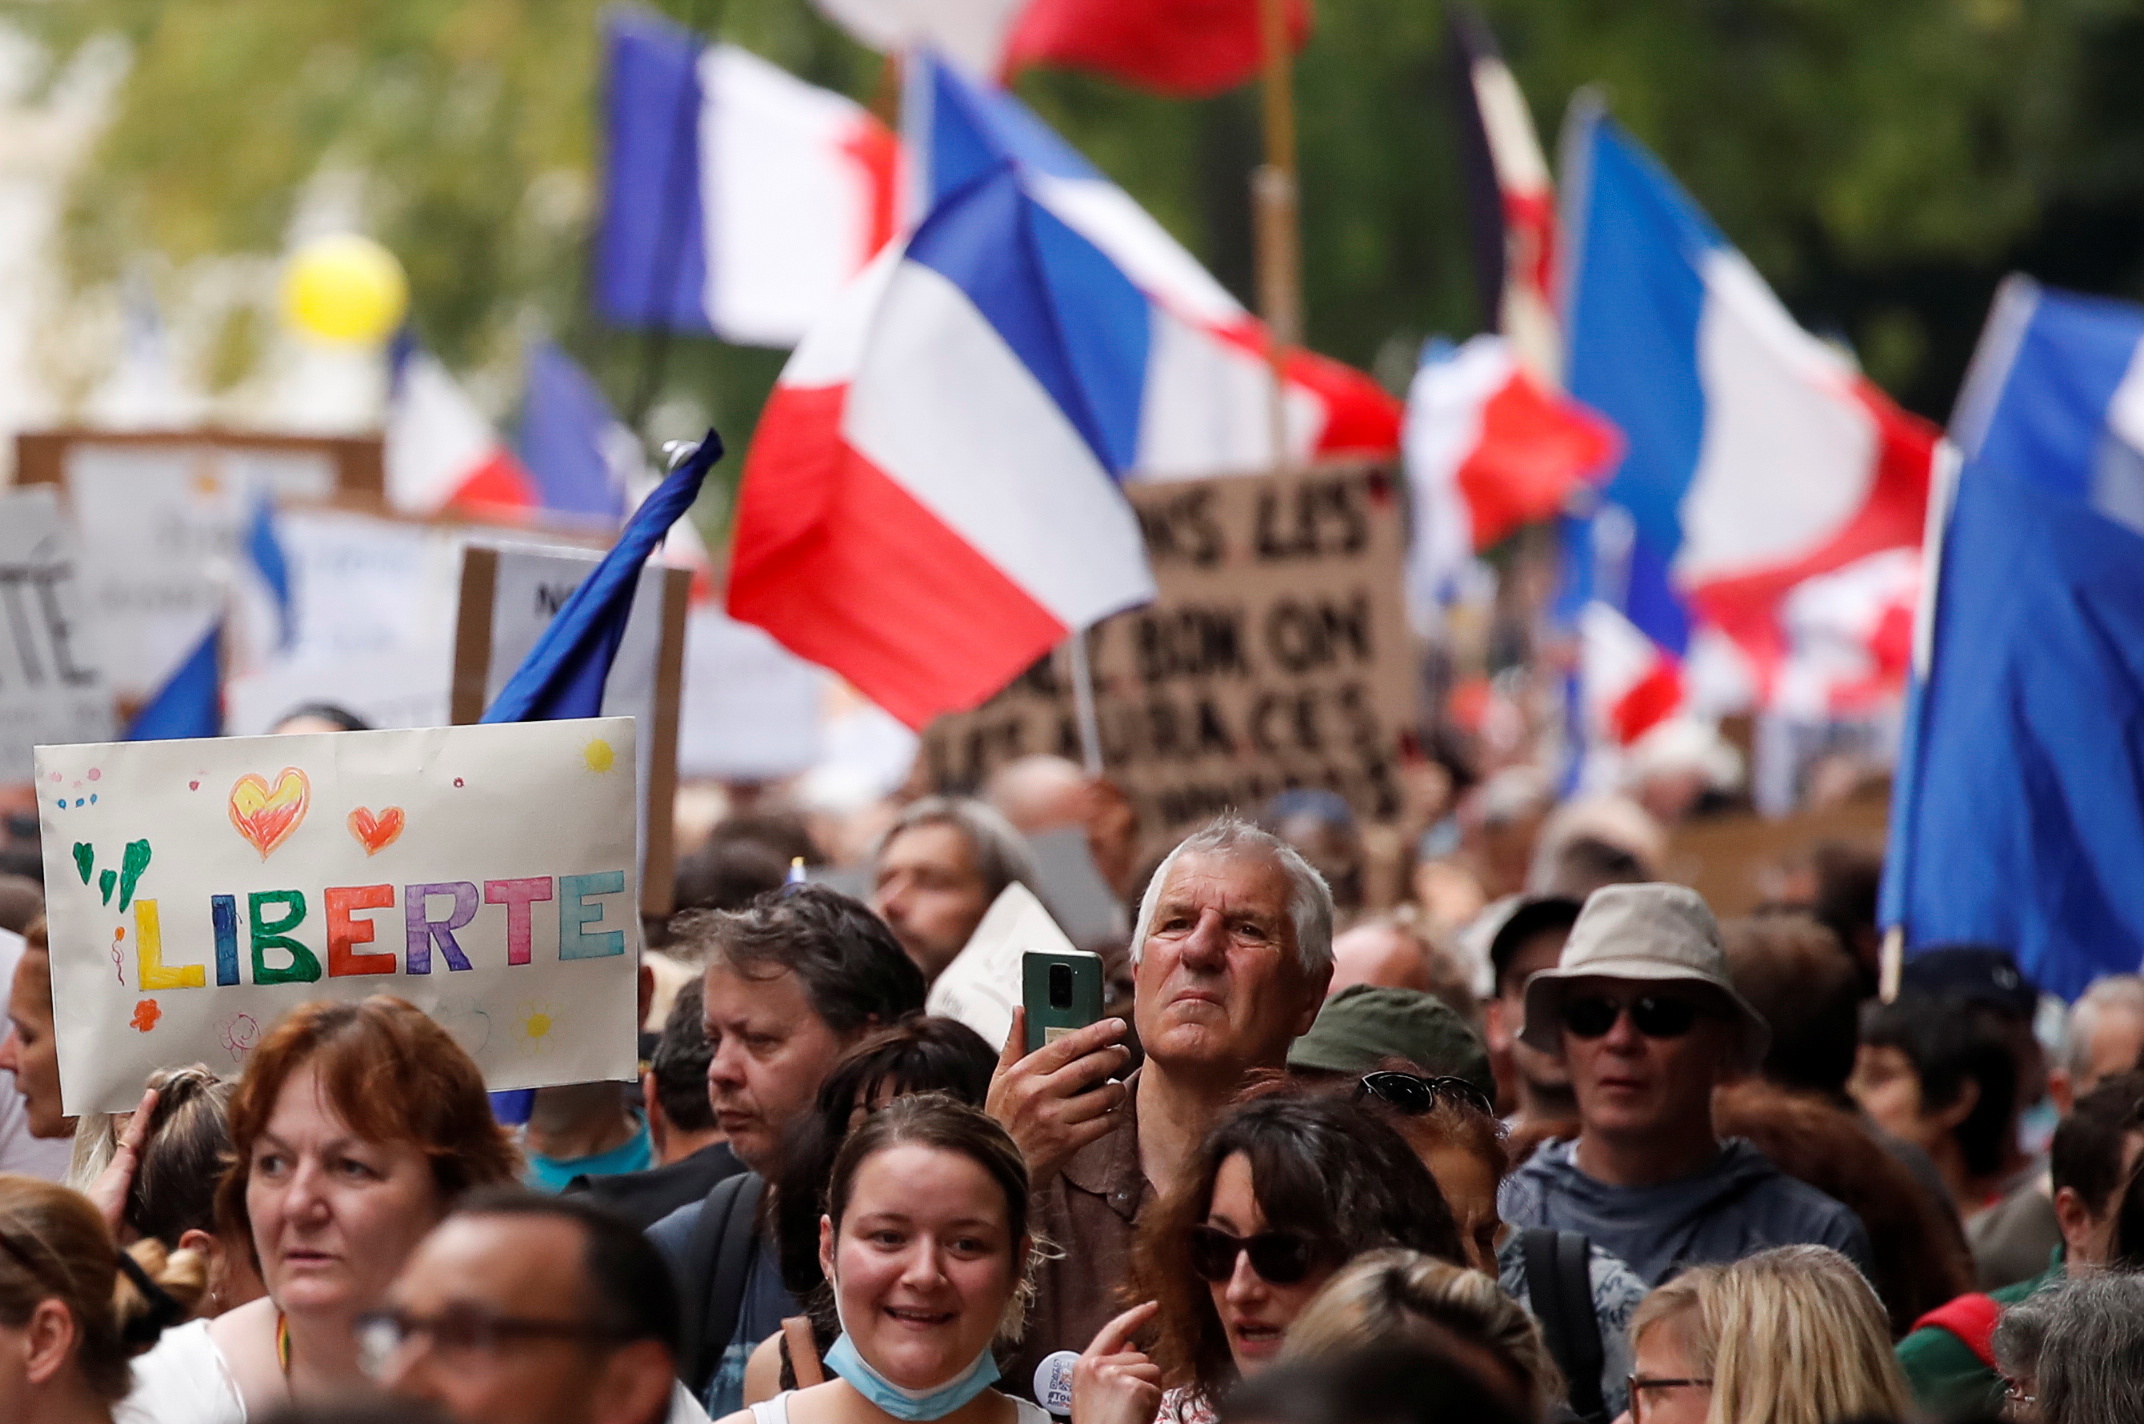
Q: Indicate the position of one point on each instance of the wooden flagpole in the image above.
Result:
(1273, 202)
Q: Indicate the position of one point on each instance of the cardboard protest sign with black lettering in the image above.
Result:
(198, 890)
(508, 597)
(1277, 654)
(52, 685)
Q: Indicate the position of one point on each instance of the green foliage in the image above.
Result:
(1881, 162)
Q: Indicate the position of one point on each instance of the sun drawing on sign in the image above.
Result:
(537, 1024)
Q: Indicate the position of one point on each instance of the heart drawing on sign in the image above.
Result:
(376, 833)
(265, 817)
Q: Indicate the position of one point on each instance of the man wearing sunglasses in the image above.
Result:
(529, 1309)
(1641, 1010)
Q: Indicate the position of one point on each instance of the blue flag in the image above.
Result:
(2018, 813)
(190, 703)
(564, 673)
(565, 424)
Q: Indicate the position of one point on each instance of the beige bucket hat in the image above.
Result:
(1652, 932)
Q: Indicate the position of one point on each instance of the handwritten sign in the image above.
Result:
(198, 890)
(52, 688)
(1276, 655)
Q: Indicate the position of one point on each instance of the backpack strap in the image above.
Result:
(718, 1262)
(1559, 1283)
(1971, 1318)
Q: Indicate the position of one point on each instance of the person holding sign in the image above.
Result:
(925, 1243)
(354, 1131)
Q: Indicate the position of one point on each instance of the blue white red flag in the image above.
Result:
(2017, 814)
(571, 444)
(737, 198)
(1199, 399)
(1757, 457)
(931, 500)
(439, 450)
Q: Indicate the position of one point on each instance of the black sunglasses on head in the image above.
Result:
(1280, 1258)
(1654, 1015)
(1412, 1095)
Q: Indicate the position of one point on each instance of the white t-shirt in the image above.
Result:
(184, 1380)
(776, 1410)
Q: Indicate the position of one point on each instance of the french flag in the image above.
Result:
(738, 199)
(1206, 383)
(1757, 457)
(1190, 48)
(1629, 683)
(931, 500)
(439, 450)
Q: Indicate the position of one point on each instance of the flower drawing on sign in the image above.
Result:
(239, 1033)
(146, 1014)
(537, 1025)
(266, 816)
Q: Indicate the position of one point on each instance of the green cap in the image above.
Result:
(1364, 1024)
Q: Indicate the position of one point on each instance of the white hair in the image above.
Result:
(2111, 991)
(1310, 899)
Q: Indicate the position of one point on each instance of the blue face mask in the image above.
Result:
(908, 1404)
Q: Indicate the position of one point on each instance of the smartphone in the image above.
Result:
(1062, 991)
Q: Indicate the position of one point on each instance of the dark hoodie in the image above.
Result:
(1739, 1205)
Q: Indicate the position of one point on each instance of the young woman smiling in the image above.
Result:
(1286, 1189)
(355, 1128)
(925, 1245)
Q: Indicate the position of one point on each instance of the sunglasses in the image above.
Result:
(1413, 1096)
(1654, 1015)
(1280, 1258)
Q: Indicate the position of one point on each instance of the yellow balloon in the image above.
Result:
(345, 287)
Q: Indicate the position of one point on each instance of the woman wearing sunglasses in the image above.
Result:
(1285, 1190)
(1793, 1335)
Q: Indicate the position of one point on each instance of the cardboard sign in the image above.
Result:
(1277, 655)
(509, 595)
(199, 890)
(160, 515)
(52, 686)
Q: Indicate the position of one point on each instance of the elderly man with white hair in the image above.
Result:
(1231, 955)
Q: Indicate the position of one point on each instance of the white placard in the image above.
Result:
(160, 524)
(52, 686)
(753, 710)
(198, 890)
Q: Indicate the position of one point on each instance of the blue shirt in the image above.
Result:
(550, 1174)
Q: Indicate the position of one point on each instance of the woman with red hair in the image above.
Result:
(355, 1128)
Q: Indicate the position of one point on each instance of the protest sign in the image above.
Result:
(52, 688)
(509, 595)
(161, 517)
(198, 890)
(753, 710)
(1277, 654)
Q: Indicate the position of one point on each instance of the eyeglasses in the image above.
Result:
(1412, 1095)
(464, 1330)
(1654, 1015)
(1639, 1384)
(1280, 1258)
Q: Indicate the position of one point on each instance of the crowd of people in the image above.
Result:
(1575, 1150)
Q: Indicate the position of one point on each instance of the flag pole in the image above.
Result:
(1273, 203)
(1090, 726)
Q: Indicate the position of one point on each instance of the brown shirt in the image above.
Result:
(1087, 1215)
